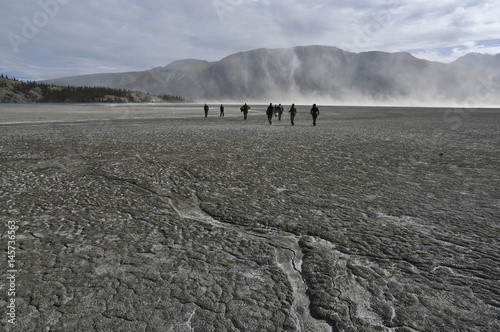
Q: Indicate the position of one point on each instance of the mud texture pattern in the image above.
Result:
(158, 219)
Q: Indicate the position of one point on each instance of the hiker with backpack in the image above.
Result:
(314, 113)
(280, 112)
(206, 108)
(245, 109)
(292, 112)
(269, 112)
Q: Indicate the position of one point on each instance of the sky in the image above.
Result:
(43, 39)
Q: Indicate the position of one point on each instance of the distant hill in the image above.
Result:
(14, 91)
(185, 63)
(316, 73)
(480, 63)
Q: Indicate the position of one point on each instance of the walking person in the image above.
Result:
(245, 109)
(314, 113)
(206, 108)
(280, 112)
(269, 112)
(221, 110)
(292, 112)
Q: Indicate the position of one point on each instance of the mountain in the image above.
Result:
(185, 63)
(11, 92)
(314, 73)
(14, 91)
(480, 63)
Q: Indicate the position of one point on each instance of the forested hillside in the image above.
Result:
(15, 91)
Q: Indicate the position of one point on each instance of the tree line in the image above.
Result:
(58, 94)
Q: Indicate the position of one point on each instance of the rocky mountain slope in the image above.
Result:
(9, 92)
(316, 72)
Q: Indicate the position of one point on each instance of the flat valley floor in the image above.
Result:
(155, 218)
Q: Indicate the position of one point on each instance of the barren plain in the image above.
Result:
(155, 218)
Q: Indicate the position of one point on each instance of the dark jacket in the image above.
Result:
(270, 110)
(314, 111)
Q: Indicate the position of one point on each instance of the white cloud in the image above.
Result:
(450, 54)
(80, 37)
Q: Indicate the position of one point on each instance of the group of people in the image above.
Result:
(276, 111)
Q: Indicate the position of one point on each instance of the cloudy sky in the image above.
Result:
(42, 39)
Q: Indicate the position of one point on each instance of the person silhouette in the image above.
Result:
(269, 112)
(245, 109)
(314, 113)
(206, 108)
(292, 112)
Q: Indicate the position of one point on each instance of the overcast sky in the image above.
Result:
(42, 39)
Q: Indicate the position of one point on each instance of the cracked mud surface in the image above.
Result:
(158, 219)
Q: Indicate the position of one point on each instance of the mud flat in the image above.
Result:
(154, 218)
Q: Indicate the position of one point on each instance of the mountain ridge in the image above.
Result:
(322, 73)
